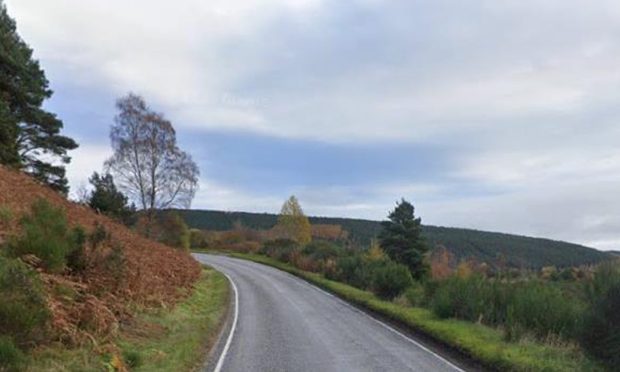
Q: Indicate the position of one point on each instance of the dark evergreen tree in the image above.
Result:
(29, 136)
(401, 239)
(601, 331)
(106, 198)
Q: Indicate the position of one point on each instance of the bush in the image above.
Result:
(601, 331)
(544, 309)
(116, 264)
(354, 271)
(133, 359)
(11, 358)
(170, 229)
(98, 236)
(607, 276)
(23, 308)
(472, 298)
(5, 216)
(322, 250)
(534, 306)
(306, 263)
(77, 259)
(415, 295)
(45, 234)
(197, 239)
(241, 247)
(391, 279)
(280, 249)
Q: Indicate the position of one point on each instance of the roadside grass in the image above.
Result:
(482, 343)
(57, 358)
(175, 339)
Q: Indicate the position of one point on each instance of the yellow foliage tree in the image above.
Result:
(293, 223)
(441, 263)
(464, 270)
(375, 253)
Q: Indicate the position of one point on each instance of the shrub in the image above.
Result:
(46, 235)
(166, 227)
(607, 276)
(247, 246)
(461, 297)
(322, 250)
(197, 239)
(415, 295)
(5, 216)
(534, 306)
(133, 359)
(23, 308)
(116, 264)
(98, 236)
(171, 230)
(353, 270)
(280, 249)
(601, 332)
(391, 279)
(544, 309)
(11, 358)
(77, 259)
(306, 263)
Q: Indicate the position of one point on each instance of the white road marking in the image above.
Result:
(346, 304)
(220, 362)
(452, 365)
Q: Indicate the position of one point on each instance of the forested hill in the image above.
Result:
(490, 247)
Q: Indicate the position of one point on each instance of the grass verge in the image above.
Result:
(482, 343)
(175, 339)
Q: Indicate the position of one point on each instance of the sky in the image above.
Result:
(494, 115)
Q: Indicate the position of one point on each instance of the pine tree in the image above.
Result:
(402, 241)
(29, 136)
(106, 198)
(293, 223)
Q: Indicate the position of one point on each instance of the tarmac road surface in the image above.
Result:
(286, 324)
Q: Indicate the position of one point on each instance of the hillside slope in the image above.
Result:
(493, 248)
(143, 274)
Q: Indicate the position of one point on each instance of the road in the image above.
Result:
(286, 324)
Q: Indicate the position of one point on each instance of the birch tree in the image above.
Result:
(147, 163)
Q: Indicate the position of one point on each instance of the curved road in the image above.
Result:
(287, 324)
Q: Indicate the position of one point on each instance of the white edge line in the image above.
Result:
(220, 362)
(391, 329)
(419, 345)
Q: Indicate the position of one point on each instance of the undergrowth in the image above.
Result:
(485, 344)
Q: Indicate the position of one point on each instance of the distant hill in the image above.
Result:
(512, 250)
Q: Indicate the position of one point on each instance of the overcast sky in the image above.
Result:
(495, 115)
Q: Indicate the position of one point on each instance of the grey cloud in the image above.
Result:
(528, 89)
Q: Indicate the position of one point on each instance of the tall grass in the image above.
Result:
(533, 306)
(601, 331)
